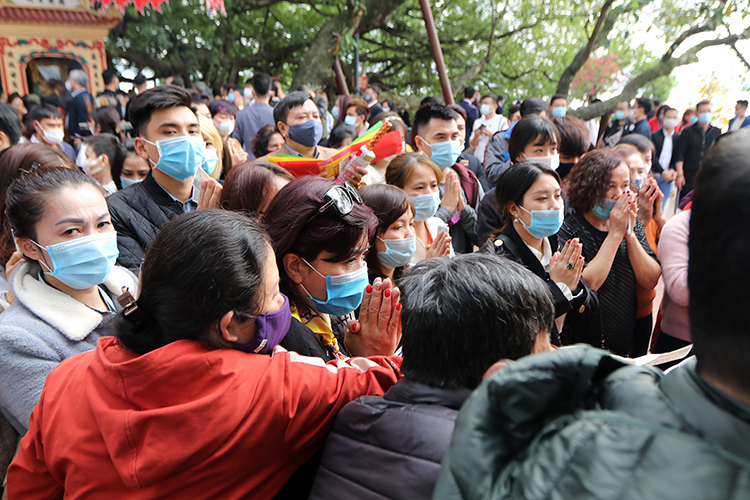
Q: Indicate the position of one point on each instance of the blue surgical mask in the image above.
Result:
(335, 111)
(125, 182)
(559, 111)
(180, 157)
(212, 159)
(230, 97)
(637, 184)
(445, 154)
(270, 330)
(308, 134)
(398, 252)
(83, 262)
(705, 117)
(544, 223)
(602, 208)
(619, 115)
(425, 205)
(693, 119)
(350, 120)
(344, 292)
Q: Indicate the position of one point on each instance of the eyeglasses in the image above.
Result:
(341, 198)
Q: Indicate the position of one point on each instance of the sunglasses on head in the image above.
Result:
(340, 198)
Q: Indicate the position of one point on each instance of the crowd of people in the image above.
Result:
(183, 317)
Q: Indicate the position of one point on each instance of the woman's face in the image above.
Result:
(17, 104)
(619, 182)
(275, 142)
(135, 168)
(422, 180)
(223, 117)
(637, 169)
(93, 157)
(202, 109)
(70, 213)
(544, 194)
(536, 150)
(315, 284)
(401, 229)
(647, 159)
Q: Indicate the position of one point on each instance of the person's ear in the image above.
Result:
(28, 249)
(295, 268)
(283, 129)
(227, 326)
(542, 343)
(140, 148)
(37, 127)
(513, 209)
(421, 145)
(105, 163)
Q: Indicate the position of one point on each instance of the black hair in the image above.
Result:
(339, 133)
(646, 104)
(10, 123)
(469, 92)
(139, 79)
(459, 109)
(108, 120)
(262, 84)
(43, 111)
(292, 100)
(189, 280)
(490, 96)
(516, 181)
(426, 113)
(531, 130)
(261, 139)
(741, 102)
(575, 139)
(513, 109)
(375, 89)
(462, 315)
(391, 105)
(108, 76)
(27, 196)
(719, 228)
(161, 97)
(177, 81)
(532, 106)
(430, 99)
(641, 142)
(222, 106)
(108, 144)
(556, 97)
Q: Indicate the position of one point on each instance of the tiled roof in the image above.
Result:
(51, 16)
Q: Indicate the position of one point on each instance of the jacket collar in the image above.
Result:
(411, 392)
(717, 417)
(527, 257)
(157, 192)
(72, 318)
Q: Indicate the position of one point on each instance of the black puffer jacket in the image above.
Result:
(137, 214)
(580, 424)
(389, 447)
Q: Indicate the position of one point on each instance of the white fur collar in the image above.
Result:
(72, 318)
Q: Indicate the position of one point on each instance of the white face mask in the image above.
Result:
(551, 161)
(248, 93)
(52, 135)
(670, 123)
(485, 109)
(225, 128)
(68, 86)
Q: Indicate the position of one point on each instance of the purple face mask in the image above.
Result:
(271, 329)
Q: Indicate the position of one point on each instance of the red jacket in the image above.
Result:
(188, 420)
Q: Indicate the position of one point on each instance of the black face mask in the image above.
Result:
(564, 169)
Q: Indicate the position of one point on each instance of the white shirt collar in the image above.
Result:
(546, 257)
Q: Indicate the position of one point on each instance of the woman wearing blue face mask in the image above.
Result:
(101, 155)
(394, 244)
(133, 168)
(530, 197)
(321, 232)
(190, 371)
(614, 245)
(66, 290)
(420, 178)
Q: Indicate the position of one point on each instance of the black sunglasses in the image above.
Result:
(341, 197)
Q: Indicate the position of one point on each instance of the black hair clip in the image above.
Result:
(34, 167)
(127, 302)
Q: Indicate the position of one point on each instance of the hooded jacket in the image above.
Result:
(187, 420)
(580, 424)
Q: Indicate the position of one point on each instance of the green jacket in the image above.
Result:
(580, 424)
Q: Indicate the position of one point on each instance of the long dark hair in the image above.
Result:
(388, 203)
(108, 144)
(293, 229)
(199, 266)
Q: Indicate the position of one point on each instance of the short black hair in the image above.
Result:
(44, 111)
(426, 113)
(462, 315)
(431, 99)
(139, 79)
(161, 97)
(489, 96)
(262, 84)
(556, 97)
(292, 100)
(10, 123)
(339, 133)
(531, 130)
(646, 104)
(469, 92)
(718, 260)
(533, 106)
(108, 76)
(741, 102)
(178, 81)
(513, 109)
(375, 89)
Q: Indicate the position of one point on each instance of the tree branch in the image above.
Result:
(742, 58)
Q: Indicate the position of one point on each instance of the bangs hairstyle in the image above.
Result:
(516, 181)
(248, 185)
(287, 219)
(575, 139)
(531, 130)
(589, 179)
(401, 167)
(388, 203)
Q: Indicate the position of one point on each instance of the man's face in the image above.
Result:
(50, 123)
(371, 94)
(671, 115)
(739, 109)
(116, 82)
(298, 115)
(437, 131)
(559, 103)
(166, 123)
(704, 108)
(624, 107)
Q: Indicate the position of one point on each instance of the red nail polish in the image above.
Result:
(387, 293)
(368, 289)
(398, 307)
